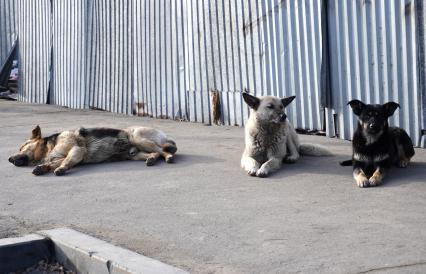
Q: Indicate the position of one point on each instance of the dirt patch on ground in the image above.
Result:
(45, 267)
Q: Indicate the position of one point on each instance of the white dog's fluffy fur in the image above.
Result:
(270, 138)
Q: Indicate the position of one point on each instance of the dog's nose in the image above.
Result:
(372, 126)
(21, 160)
(283, 117)
(11, 159)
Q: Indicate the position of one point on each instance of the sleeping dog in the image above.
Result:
(376, 146)
(62, 151)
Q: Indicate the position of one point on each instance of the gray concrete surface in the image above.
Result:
(204, 215)
(85, 254)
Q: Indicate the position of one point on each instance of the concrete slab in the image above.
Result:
(204, 215)
(21, 252)
(85, 254)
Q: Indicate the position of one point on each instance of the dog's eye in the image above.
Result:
(270, 106)
(281, 107)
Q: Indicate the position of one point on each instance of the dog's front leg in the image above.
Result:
(250, 165)
(269, 166)
(377, 177)
(360, 178)
(47, 167)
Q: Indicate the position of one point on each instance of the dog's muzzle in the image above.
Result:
(373, 128)
(19, 160)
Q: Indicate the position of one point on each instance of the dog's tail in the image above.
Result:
(346, 163)
(170, 146)
(314, 150)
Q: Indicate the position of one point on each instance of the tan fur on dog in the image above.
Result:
(60, 152)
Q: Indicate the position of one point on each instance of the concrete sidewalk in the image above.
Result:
(203, 214)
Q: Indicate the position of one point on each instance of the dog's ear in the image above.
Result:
(251, 100)
(36, 133)
(390, 108)
(357, 106)
(287, 100)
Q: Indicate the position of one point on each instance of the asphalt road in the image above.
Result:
(205, 215)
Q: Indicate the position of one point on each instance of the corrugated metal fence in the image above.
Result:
(34, 36)
(375, 60)
(192, 59)
(7, 28)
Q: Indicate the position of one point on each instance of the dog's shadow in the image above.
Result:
(415, 172)
(315, 165)
(127, 167)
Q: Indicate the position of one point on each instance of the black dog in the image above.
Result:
(376, 146)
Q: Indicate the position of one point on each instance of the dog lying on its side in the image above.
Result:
(62, 151)
(270, 138)
(376, 146)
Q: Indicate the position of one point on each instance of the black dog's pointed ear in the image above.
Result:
(36, 133)
(287, 100)
(390, 108)
(357, 106)
(251, 100)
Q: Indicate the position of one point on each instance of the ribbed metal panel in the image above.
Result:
(69, 52)
(375, 60)
(265, 47)
(293, 57)
(158, 53)
(110, 60)
(223, 55)
(184, 50)
(34, 31)
(8, 27)
(421, 35)
(165, 58)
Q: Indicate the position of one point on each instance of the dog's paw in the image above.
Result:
(363, 182)
(291, 159)
(133, 151)
(251, 171)
(59, 171)
(39, 170)
(170, 159)
(150, 161)
(403, 163)
(374, 181)
(262, 173)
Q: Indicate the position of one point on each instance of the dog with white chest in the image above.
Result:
(270, 138)
(376, 145)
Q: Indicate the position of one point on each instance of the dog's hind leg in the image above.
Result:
(250, 165)
(293, 153)
(168, 150)
(404, 155)
(154, 151)
(292, 146)
(74, 157)
(149, 158)
(168, 157)
(270, 165)
(404, 146)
